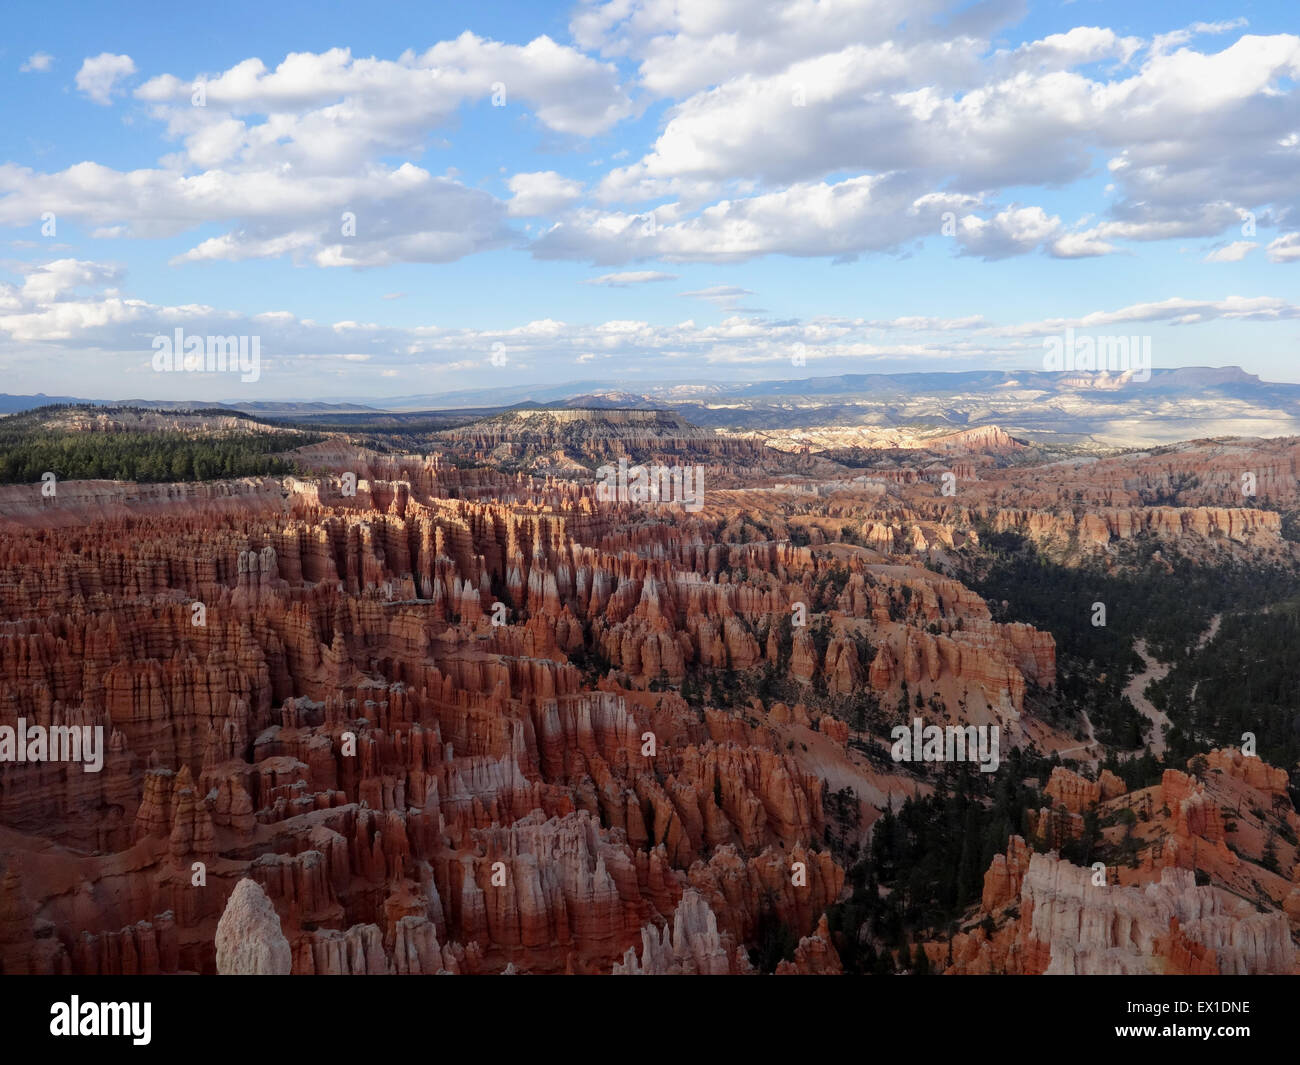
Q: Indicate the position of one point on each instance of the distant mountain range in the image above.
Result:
(11, 404)
(1174, 404)
(622, 393)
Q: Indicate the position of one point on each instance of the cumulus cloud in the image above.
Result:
(1285, 249)
(397, 215)
(1024, 129)
(685, 48)
(46, 283)
(1192, 139)
(99, 76)
(1061, 51)
(37, 63)
(808, 220)
(841, 220)
(835, 129)
(541, 192)
(284, 156)
(1013, 231)
(311, 97)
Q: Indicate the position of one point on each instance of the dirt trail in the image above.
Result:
(1136, 691)
(1153, 670)
(1090, 746)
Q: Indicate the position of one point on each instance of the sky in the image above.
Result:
(392, 199)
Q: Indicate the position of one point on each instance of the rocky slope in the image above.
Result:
(1196, 898)
(455, 718)
(309, 692)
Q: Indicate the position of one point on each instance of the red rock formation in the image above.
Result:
(1077, 794)
(413, 787)
(1005, 875)
(317, 693)
(693, 947)
(1068, 925)
(814, 956)
(1256, 773)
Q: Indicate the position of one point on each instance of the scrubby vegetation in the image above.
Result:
(35, 443)
(1167, 600)
(927, 860)
(1246, 679)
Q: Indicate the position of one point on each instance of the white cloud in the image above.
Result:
(811, 128)
(1176, 310)
(1019, 130)
(1194, 139)
(1164, 42)
(1080, 246)
(310, 98)
(722, 295)
(38, 63)
(1013, 231)
(630, 277)
(70, 311)
(1231, 253)
(541, 192)
(1061, 51)
(55, 280)
(800, 220)
(1285, 249)
(98, 76)
(841, 220)
(279, 156)
(400, 215)
(684, 48)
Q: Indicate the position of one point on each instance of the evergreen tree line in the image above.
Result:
(1247, 679)
(1143, 600)
(27, 454)
(927, 861)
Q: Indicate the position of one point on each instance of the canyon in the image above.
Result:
(449, 712)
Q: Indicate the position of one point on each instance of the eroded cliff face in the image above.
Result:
(1076, 928)
(421, 707)
(1071, 923)
(1208, 498)
(368, 706)
(1182, 906)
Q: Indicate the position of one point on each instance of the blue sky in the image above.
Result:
(882, 186)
